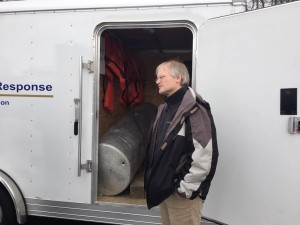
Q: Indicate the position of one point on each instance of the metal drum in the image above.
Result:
(121, 149)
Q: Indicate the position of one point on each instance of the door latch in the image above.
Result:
(89, 66)
(294, 125)
(87, 166)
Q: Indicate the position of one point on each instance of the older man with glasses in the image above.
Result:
(182, 150)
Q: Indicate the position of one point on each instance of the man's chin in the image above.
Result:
(161, 92)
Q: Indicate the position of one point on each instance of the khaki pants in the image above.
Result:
(176, 210)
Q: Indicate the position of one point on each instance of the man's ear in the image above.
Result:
(179, 79)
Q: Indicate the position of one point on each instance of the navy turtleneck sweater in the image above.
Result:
(172, 103)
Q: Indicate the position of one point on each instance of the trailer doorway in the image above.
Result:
(146, 46)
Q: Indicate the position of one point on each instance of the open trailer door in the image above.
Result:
(248, 69)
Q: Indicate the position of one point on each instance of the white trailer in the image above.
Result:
(51, 79)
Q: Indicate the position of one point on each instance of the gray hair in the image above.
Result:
(177, 69)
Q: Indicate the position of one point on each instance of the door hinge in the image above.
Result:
(87, 166)
(89, 66)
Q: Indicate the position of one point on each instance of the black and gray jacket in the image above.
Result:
(187, 158)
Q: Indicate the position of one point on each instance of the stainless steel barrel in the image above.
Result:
(121, 149)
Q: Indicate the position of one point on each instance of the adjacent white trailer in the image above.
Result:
(251, 65)
(51, 79)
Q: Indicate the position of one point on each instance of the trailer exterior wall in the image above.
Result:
(37, 126)
(46, 48)
(244, 61)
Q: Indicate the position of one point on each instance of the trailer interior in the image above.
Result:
(147, 47)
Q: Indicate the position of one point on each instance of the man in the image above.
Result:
(182, 149)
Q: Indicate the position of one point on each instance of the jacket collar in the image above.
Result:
(177, 96)
(188, 106)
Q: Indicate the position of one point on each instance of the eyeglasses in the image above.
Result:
(160, 77)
